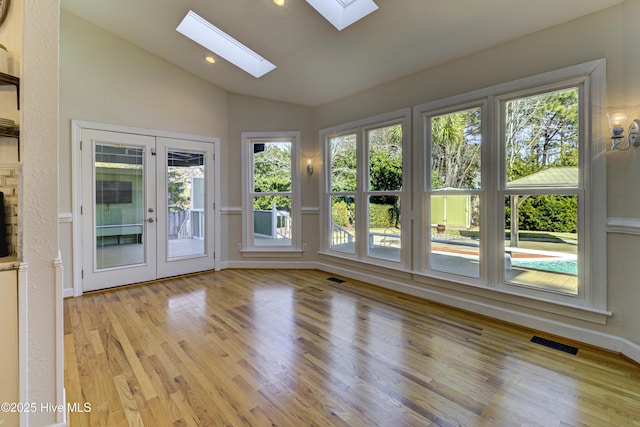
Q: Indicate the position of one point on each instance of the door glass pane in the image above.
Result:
(455, 234)
(186, 204)
(343, 224)
(455, 150)
(541, 242)
(384, 227)
(385, 158)
(272, 223)
(119, 206)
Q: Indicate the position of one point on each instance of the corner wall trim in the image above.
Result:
(59, 327)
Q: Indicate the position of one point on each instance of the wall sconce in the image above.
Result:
(617, 120)
(309, 168)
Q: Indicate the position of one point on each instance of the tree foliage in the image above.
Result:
(455, 150)
(343, 163)
(541, 133)
(272, 174)
(555, 213)
(178, 186)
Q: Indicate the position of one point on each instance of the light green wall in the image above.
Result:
(452, 210)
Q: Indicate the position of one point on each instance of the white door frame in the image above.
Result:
(76, 186)
(127, 270)
(166, 265)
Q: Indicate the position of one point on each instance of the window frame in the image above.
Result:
(590, 79)
(362, 192)
(426, 190)
(503, 190)
(248, 140)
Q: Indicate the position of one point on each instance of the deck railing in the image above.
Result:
(339, 235)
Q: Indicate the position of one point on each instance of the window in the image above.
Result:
(509, 191)
(514, 191)
(271, 208)
(454, 191)
(542, 195)
(342, 192)
(366, 168)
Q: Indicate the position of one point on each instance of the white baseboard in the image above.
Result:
(67, 293)
(285, 265)
(629, 349)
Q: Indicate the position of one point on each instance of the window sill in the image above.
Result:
(470, 288)
(573, 311)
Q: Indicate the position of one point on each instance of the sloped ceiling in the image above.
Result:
(316, 63)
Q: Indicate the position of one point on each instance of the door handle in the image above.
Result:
(150, 220)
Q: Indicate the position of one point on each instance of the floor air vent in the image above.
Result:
(335, 279)
(555, 345)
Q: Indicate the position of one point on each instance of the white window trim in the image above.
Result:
(359, 128)
(422, 133)
(591, 76)
(248, 247)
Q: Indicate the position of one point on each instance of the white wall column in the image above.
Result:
(39, 207)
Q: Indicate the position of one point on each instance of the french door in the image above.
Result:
(147, 208)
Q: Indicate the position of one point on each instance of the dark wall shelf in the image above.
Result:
(9, 80)
(9, 133)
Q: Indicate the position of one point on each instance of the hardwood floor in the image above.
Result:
(290, 348)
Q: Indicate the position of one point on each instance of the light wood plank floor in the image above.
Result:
(290, 348)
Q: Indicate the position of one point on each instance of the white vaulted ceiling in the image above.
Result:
(315, 62)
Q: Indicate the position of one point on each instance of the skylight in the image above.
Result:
(342, 13)
(217, 41)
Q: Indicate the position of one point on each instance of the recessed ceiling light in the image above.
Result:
(210, 59)
(214, 39)
(342, 13)
(279, 2)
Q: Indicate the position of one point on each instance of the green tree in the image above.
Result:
(343, 163)
(541, 132)
(272, 174)
(177, 191)
(385, 159)
(455, 150)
